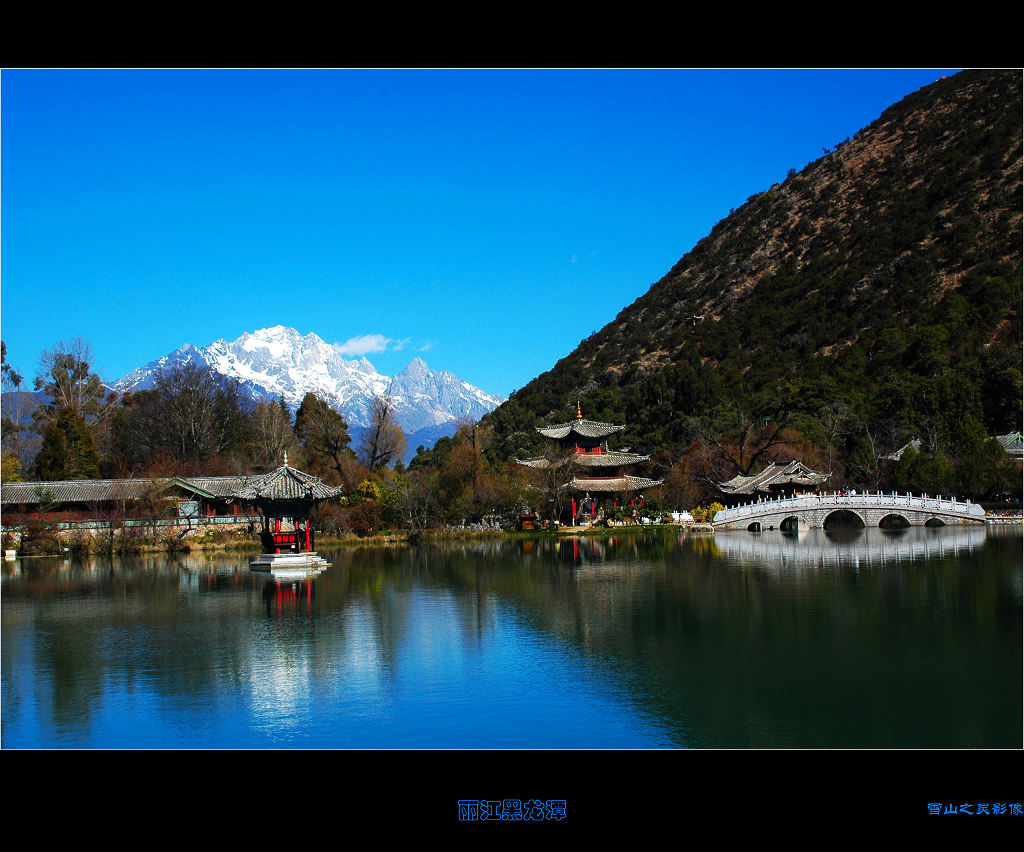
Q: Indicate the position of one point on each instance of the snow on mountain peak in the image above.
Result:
(417, 367)
(279, 362)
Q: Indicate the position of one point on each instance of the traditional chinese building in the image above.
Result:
(1013, 443)
(177, 499)
(284, 498)
(591, 475)
(279, 501)
(779, 479)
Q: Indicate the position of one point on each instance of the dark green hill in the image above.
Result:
(873, 297)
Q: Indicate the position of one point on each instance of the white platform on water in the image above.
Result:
(289, 565)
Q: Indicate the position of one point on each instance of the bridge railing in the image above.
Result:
(862, 500)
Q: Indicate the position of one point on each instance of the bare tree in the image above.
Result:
(383, 441)
(740, 442)
(186, 419)
(551, 478)
(272, 434)
(202, 418)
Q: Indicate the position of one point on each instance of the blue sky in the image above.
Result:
(484, 220)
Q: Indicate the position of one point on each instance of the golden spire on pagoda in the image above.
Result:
(579, 414)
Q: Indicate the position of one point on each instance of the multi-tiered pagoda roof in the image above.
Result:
(595, 468)
(579, 428)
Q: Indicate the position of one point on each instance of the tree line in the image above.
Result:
(193, 423)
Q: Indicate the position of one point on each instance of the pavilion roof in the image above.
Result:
(915, 444)
(581, 427)
(285, 483)
(777, 473)
(1012, 442)
(612, 483)
(609, 459)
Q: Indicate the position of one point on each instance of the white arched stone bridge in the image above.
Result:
(815, 511)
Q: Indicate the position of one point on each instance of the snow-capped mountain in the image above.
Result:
(281, 363)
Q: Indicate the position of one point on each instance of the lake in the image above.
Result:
(865, 639)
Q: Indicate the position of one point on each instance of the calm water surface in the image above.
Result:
(867, 639)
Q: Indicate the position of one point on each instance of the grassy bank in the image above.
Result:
(48, 542)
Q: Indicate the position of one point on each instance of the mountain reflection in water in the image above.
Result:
(886, 639)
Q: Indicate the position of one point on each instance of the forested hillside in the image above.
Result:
(869, 299)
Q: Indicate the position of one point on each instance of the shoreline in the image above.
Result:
(390, 538)
(394, 538)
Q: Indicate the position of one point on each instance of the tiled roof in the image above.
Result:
(777, 473)
(610, 459)
(914, 444)
(612, 483)
(540, 464)
(1012, 442)
(78, 491)
(106, 490)
(581, 427)
(215, 486)
(285, 483)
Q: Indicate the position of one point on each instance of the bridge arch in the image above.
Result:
(893, 521)
(754, 526)
(935, 522)
(792, 524)
(843, 518)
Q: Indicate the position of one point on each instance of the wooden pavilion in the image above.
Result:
(778, 479)
(283, 498)
(594, 473)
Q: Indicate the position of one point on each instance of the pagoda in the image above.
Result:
(778, 479)
(284, 498)
(594, 474)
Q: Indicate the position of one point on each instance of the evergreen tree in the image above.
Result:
(67, 451)
(68, 382)
(323, 434)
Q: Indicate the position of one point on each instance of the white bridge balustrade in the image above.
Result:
(814, 511)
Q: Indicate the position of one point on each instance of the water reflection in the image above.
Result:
(294, 595)
(854, 547)
(887, 639)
